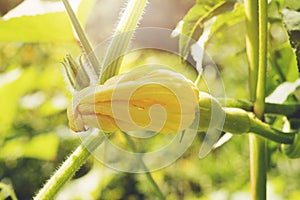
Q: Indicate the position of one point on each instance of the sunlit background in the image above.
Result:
(35, 35)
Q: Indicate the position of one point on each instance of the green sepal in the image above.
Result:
(75, 73)
(207, 106)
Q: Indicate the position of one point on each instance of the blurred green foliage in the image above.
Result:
(33, 102)
(34, 138)
(193, 22)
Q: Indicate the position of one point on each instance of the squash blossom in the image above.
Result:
(152, 99)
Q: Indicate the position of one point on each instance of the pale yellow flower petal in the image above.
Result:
(149, 99)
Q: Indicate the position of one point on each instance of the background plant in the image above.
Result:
(34, 75)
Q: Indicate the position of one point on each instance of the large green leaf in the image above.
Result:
(225, 45)
(51, 27)
(48, 27)
(193, 22)
(227, 36)
(226, 48)
(228, 19)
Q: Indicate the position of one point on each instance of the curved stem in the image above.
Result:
(264, 130)
(68, 169)
(238, 121)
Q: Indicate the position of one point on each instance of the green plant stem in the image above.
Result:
(87, 47)
(238, 121)
(147, 173)
(258, 167)
(251, 11)
(258, 148)
(264, 130)
(123, 34)
(259, 105)
(68, 169)
(288, 109)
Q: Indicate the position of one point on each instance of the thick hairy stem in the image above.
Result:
(128, 22)
(68, 168)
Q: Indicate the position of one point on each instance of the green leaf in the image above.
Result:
(51, 27)
(193, 22)
(274, 8)
(48, 27)
(292, 4)
(285, 63)
(226, 48)
(228, 19)
(284, 67)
